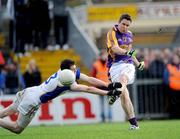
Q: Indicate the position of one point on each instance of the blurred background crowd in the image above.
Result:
(36, 34)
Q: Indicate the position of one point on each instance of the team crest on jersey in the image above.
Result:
(124, 39)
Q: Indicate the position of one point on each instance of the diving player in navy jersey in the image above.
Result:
(28, 100)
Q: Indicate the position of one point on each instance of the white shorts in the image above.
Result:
(26, 106)
(118, 69)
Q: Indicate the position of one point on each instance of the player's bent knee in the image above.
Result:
(17, 129)
(124, 79)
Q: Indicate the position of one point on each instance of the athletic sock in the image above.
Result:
(133, 121)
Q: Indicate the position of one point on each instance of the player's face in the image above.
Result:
(124, 25)
(73, 68)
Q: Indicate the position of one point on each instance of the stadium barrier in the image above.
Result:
(149, 97)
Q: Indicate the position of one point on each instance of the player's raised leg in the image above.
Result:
(127, 104)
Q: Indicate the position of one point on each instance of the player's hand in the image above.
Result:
(141, 65)
(131, 53)
(114, 93)
(114, 85)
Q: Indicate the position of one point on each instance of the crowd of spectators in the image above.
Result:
(12, 79)
(35, 24)
(164, 65)
(156, 61)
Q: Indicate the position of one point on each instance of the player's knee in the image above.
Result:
(17, 129)
(124, 79)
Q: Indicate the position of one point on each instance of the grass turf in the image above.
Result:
(166, 129)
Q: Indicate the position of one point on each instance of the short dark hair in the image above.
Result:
(66, 64)
(125, 16)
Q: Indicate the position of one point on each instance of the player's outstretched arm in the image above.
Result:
(94, 90)
(89, 89)
(93, 81)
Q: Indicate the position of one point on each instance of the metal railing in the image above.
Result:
(149, 98)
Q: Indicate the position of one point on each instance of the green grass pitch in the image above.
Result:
(166, 129)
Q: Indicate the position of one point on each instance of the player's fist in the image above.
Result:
(131, 53)
(114, 93)
(114, 85)
(141, 65)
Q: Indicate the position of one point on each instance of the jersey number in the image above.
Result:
(52, 77)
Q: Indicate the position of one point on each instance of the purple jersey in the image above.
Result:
(122, 40)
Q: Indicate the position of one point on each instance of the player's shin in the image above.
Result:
(6, 112)
(11, 126)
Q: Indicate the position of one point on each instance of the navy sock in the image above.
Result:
(133, 121)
